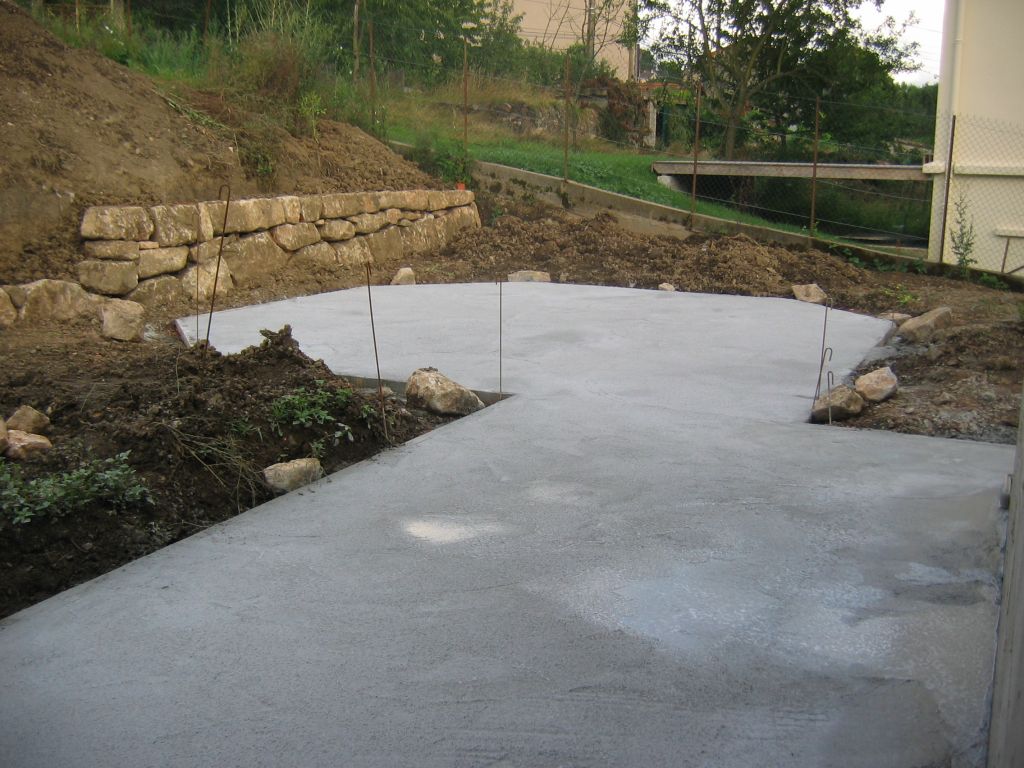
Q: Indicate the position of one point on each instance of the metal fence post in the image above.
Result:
(945, 196)
(814, 166)
(565, 138)
(696, 150)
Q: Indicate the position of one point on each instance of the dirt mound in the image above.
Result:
(597, 251)
(78, 129)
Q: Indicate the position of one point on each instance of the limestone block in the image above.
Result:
(393, 199)
(208, 251)
(162, 261)
(666, 287)
(119, 250)
(147, 244)
(254, 257)
(292, 209)
(416, 200)
(24, 445)
(28, 419)
(8, 312)
(123, 320)
(404, 276)
(393, 215)
(113, 278)
(291, 237)
(175, 224)
(320, 254)
(116, 222)
(198, 280)
(58, 300)
(368, 223)
(810, 293)
(157, 292)
(529, 276)
(289, 475)
(843, 402)
(423, 236)
(459, 219)
(411, 216)
(433, 391)
(339, 205)
(438, 200)
(244, 216)
(923, 327)
(17, 294)
(385, 245)
(337, 229)
(879, 385)
(352, 253)
(312, 207)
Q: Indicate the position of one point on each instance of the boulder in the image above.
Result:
(450, 198)
(923, 327)
(119, 250)
(116, 222)
(529, 276)
(458, 219)
(352, 253)
(404, 276)
(8, 312)
(879, 385)
(24, 445)
(113, 278)
(423, 236)
(317, 254)
(435, 392)
(337, 229)
(175, 224)
(208, 251)
(292, 209)
(28, 419)
(254, 257)
(397, 199)
(385, 245)
(666, 287)
(895, 317)
(291, 237)
(243, 216)
(367, 223)
(157, 292)
(58, 300)
(3, 435)
(842, 400)
(289, 475)
(162, 261)
(312, 208)
(123, 320)
(199, 280)
(810, 293)
(339, 205)
(17, 294)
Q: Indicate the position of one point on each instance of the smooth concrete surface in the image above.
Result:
(644, 557)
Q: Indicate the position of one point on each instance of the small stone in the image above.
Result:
(162, 261)
(28, 419)
(666, 287)
(923, 327)
(879, 385)
(404, 276)
(123, 320)
(8, 313)
(810, 293)
(842, 401)
(119, 250)
(289, 475)
(23, 445)
(435, 392)
(114, 278)
(529, 276)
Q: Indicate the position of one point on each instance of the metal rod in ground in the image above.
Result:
(376, 357)
(696, 150)
(945, 196)
(465, 105)
(500, 323)
(565, 137)
(814, 165)
(824, 333)
(220, 254)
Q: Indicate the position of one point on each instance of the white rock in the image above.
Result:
(116, 222)
(844, 403)
(46, 300)
(254, 257)
(24, 445)
(175, 224)
(199, 279)
(289, 475)
(529, 276)
(291, 237)
(435, 392)
(922, 328)
(404, 276)
(157, 292)
(810, 293)
(666, 287)
(123, 320)
(119, 250)
(28, 419)
(878, 385)
(162, 261)
(114, 278)
(337, 229)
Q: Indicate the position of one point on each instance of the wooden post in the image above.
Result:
(696, 150)
(945, 200)
(814, 166)
(355, 42)
(565, 138)
(465, 105)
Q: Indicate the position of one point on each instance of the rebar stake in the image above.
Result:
(220, 254)
(376, 357)
(500, 311)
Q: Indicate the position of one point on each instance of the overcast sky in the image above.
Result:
(926, 31)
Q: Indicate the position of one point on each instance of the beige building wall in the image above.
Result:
(982, 83)
(558, 24)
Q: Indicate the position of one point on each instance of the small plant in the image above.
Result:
(991, 281)
(962, 236)
(901, 294)
(305, 407)
(367, 412)
(311, 109)
(111, 482)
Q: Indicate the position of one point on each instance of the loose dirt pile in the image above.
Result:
(199, 427)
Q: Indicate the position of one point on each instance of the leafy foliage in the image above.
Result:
(306, 407)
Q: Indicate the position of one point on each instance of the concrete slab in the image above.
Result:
(645, 557)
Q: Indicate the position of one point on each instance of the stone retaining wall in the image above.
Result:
(152, 255)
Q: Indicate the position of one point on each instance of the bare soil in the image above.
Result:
(79, 130)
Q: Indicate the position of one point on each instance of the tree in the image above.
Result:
(744, 50)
